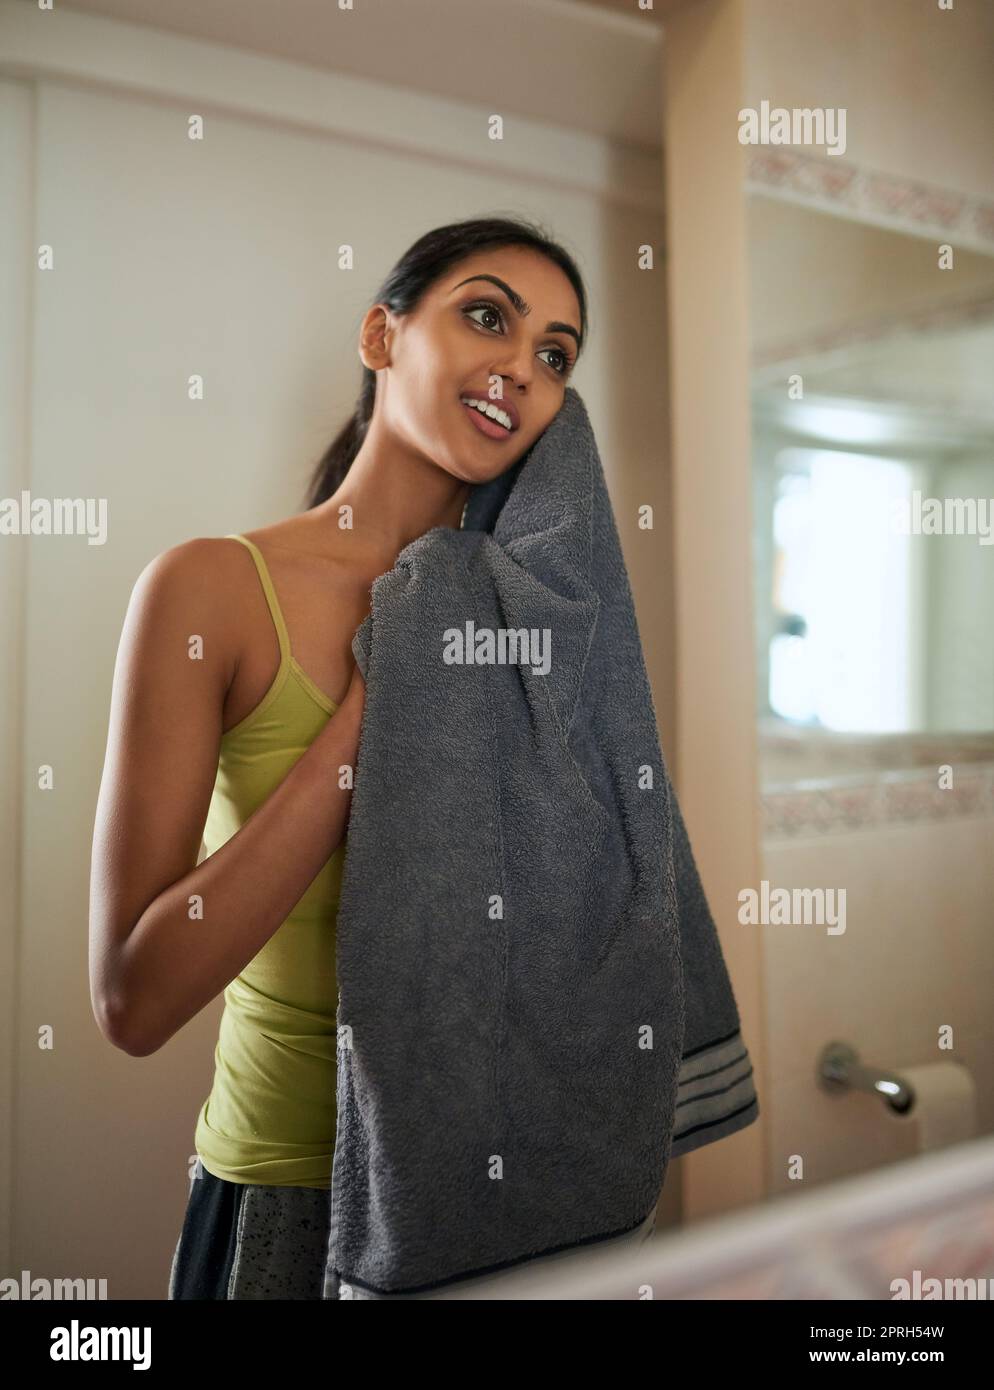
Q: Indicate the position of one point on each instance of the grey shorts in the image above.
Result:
(246, 1240)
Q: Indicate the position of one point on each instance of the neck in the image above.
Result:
(395, 496)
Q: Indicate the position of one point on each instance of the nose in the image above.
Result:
(515, 368)
(511, 381)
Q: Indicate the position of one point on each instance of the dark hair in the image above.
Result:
(416, 271)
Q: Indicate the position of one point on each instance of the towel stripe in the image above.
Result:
(704, 1047)
(715, 1093)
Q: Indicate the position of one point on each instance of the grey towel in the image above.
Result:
(534, 1012)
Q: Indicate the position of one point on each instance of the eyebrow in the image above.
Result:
(522, 307)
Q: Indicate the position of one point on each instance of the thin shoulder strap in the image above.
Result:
(270, 592)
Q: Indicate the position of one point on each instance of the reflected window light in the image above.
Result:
(841, 657)
(791, 692)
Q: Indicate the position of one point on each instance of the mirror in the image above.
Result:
(872, 361)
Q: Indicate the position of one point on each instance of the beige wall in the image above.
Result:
(916, 956)
(813, 275)
(15, 186)
(915, 80)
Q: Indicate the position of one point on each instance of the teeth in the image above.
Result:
(492, 411)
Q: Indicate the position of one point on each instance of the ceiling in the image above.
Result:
(592, 67)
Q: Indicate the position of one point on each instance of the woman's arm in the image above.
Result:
(153, 965)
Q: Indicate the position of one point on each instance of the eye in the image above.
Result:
(488, 307)
(567, 361)
(485, 307)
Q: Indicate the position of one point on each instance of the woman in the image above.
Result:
(235, 718)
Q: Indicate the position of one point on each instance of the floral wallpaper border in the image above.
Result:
(828, 805)
(870, 195)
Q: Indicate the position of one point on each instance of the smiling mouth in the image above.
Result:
(489, 417)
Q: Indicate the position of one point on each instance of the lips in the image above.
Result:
(507, 406)
(490, 429)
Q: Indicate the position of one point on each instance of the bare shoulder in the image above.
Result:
(197, 586)
(204, 569)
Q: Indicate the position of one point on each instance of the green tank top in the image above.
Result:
(270, 1117)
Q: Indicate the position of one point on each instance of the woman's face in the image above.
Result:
(467, 341)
